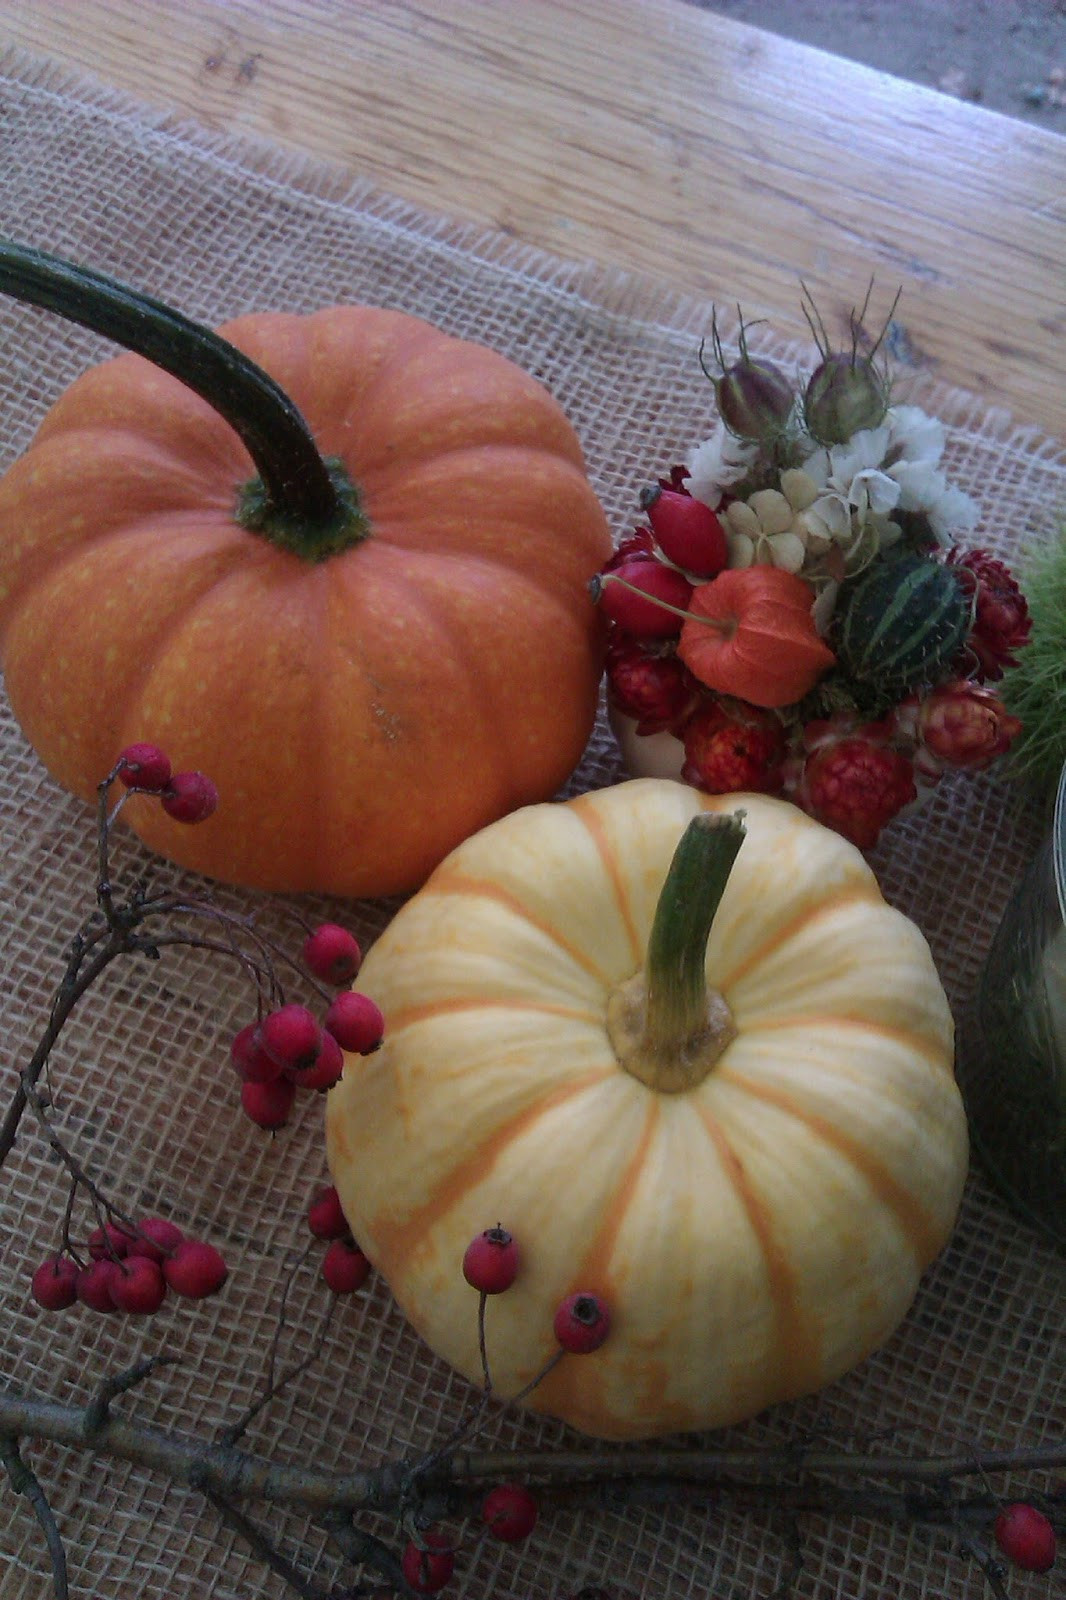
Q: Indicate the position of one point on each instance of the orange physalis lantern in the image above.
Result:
(758, 642)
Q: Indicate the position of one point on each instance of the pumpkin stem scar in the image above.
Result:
(666, 1026)
(299, 489)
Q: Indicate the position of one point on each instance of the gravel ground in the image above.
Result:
(1006, 55)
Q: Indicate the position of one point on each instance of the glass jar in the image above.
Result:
(1012, 1056)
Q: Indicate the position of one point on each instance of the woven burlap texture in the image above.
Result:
(141, 1081)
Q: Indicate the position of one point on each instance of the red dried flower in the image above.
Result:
(965, 725)
(853, 780)
(729, 748)
(1001, 622)
(637, 546)
(658, 692)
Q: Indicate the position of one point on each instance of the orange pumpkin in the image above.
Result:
(374, 647)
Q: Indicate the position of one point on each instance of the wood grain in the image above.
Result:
(645, 134)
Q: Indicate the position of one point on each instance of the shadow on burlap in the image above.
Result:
(142, 1083)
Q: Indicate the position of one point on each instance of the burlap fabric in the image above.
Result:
(141, 1080)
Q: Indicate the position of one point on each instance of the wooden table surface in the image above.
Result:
(646, 134)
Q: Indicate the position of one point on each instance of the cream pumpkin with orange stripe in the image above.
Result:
(755, 1208)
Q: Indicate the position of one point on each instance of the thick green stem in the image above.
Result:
(301, 500)
(667, 1026)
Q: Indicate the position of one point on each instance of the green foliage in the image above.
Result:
(1035, 690)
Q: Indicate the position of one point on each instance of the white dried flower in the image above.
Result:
(717, 464)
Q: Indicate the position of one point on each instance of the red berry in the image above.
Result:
(250, 1059)
(327, 1068)
(94, 1286)
(269, 1105)
(325, 1217)
(643, 615)
(356, 1023)
(686, 531)
(429, 1564)
(190, 797)
(345, 1267)
(332, 953)
(491, 1261)
(144, 767)
(195, 1270)
(54, 1285)
(138, 1285)
(582, 1323)
(291, 1036)
(1026, 1537)
(510, 1512)
(157, 1239)
(109, 1243)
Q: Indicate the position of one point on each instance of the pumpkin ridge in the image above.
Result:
(399, 1242)
(798, 1357)
(124, 699)
(408, 336)
(850, 895)
(409, 1016)
(914, 1223)
(917, 1043)
(573, 1384)
(609, 860)
(447, 880)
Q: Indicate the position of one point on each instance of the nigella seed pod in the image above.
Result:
(755, 399)
(845, 393)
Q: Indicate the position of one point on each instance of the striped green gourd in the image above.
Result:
(901, 623)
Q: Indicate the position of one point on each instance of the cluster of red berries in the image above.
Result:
(185, 796)
(130, 1269)
(289, 1049)
(344, 1266)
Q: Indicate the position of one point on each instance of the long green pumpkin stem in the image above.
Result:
(667, 1026)
(301, 500)
(675, 968)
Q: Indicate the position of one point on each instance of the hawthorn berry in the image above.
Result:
(326, 1069)
(189, 797)
(268, 1105)
(144, 766)
(355, 1022)
(325, 1217)
(345, 1267)
(94, 1285)
(1026, 1537)
(291, 1036)
(490, 1263)
(250, 1059)
(332, 953)
(109, 1243)
(582, 1323)
(429, 1563)
(156, 1238)
(195, 1270)
(510, 1512)
(54, 1285)
(137, 1285)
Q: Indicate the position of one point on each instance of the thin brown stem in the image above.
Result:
(267, 1552)
(24, 1482)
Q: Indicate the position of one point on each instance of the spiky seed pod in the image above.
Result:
(755, 399)
(901, 624)
(844, 394)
